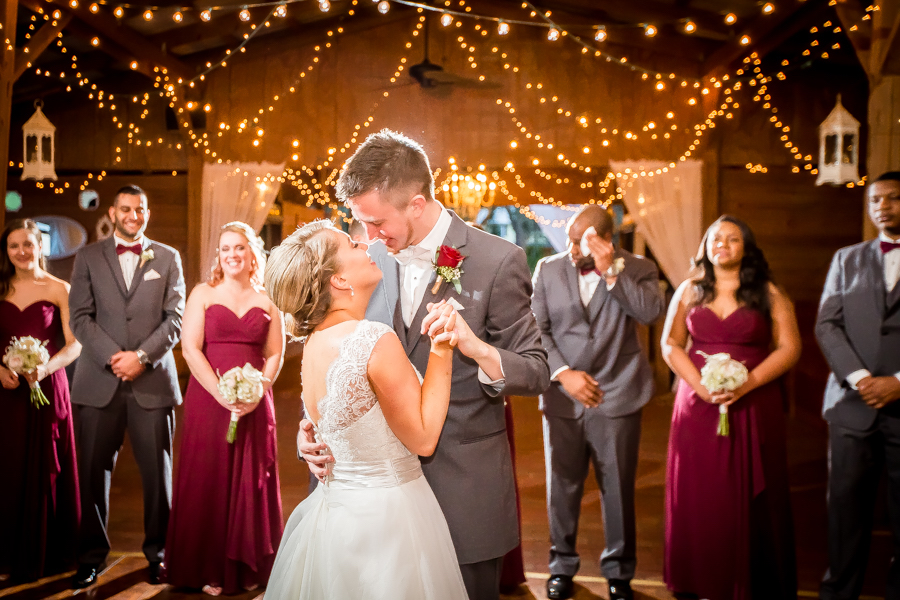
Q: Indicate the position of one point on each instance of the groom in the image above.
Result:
(388, 186)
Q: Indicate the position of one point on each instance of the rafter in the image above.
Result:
(39, 42)
(108, 28)
(757, 31)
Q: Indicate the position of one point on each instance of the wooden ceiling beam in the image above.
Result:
(757, 31)
(645, 11)
(109, 29)
(39, 42)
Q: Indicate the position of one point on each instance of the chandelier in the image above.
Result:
(468, 193)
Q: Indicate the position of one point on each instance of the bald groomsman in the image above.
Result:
(587, 307)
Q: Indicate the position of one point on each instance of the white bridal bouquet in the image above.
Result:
(240, 384)
(721, 373)
(24, 355)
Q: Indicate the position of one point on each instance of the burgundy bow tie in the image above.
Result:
(888, 246)
(586, 270)
(122, 249)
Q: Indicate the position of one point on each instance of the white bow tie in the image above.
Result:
(414, 254)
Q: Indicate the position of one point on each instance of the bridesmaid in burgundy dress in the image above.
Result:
(729, 530)
(39, 506)
(226, 521)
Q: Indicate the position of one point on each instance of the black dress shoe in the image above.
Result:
(620, 589)
(157, 570)
(85, 576)
(560, 587)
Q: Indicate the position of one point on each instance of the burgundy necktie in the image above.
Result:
(122, 249)
(888, 246)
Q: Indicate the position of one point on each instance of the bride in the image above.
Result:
(374, 529)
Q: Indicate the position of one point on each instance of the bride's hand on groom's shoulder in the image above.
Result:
(309, 450)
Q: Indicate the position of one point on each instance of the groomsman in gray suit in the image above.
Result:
(858, 329)
(126, 302)
(389, 187)
(588, 307)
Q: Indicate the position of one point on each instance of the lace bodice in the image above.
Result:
(350, 419)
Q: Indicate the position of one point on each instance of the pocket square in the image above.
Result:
(151, 275)
(455, 304)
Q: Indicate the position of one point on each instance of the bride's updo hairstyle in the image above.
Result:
(298, 276)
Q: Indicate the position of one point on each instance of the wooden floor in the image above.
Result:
(126, 577)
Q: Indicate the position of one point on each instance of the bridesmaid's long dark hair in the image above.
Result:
(7, 270)
(755, 275)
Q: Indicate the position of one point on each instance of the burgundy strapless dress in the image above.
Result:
(729, 530)
(39, 506)
(226, 521)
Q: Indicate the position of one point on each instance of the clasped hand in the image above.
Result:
(878, 392)
(126, 365)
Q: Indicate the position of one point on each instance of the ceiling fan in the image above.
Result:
(430, 75)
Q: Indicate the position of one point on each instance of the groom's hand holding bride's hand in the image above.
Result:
(309, 449)
(487, 357)
(442, 329)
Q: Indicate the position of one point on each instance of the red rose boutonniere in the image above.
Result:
(447, 261)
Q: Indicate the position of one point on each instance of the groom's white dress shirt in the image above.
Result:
(891, 275)
(416, 264)
(128, 260)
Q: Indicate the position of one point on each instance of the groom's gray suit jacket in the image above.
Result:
(599, 339)
(858, 327)
(471, 470)
(106, 318)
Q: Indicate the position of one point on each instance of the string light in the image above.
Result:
(690, 27)
(148, 15)
(768, 8)
(730, 19)
(650, 30)
(600, 35)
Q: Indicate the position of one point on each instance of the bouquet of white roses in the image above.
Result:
(721, 373)
(24, 355)
(240, 384)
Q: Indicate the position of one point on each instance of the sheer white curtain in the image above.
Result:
(666, 208)
(234, 192)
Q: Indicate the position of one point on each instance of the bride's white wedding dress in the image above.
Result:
(374, 529)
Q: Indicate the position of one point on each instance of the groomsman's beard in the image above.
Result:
(120, 231)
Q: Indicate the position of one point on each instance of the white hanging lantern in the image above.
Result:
(40, 147)
(838, 147)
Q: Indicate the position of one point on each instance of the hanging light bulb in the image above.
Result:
(95, 41)
(446, 19)
(119, 12)
(177, 16)
(134, 65)
(553, 34)
(384, 6)
(650, 30)
(148, 15)
(244, 14)
(600, 36)
(768, 8)
(324, 5)
(730, 19)
(206, 15)
(502, 28)
(745, 39)
(281, 11)
(95, 8)
(73, 3)
(690, 27)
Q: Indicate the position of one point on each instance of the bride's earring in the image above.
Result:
(351, 290)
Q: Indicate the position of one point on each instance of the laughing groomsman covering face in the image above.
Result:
(858, 329)
(588, 307)
(127, 301)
